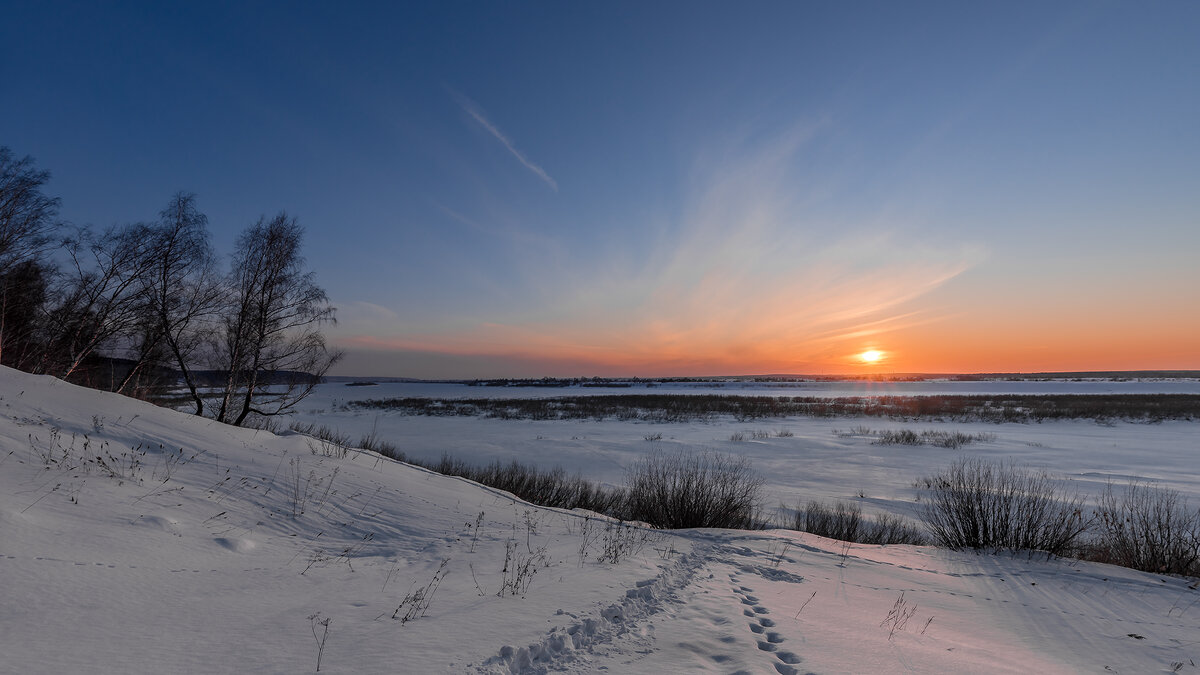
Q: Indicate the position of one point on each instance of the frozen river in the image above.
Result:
(801, 458)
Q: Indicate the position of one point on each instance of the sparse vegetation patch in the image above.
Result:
(845, 521)
(941, 439)
(689, 408)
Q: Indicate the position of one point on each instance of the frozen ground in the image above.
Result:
(139, 540)
(822, 459)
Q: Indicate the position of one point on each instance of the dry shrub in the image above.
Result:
(681, 490)
(1147, 528)
(980, 504)
(844, 521)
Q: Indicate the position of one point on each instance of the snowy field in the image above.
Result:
(822, 459)
(135, 539)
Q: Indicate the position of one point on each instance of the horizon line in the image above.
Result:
(1182, 373)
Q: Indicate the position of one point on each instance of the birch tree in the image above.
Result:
(271, 345)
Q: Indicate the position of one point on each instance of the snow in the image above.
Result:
(822, 459)
(140, 540)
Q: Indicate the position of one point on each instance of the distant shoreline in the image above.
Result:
(1049, 376)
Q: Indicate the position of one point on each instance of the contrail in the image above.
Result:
(473, 110)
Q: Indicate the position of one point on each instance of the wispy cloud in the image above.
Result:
(749, 278)
(476, 113)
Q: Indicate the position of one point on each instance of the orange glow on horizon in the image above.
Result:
(912, 349)
(775, 336)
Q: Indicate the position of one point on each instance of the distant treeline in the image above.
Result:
(1077, 376)
(1115, 375)
(556, 382)
(687, 408)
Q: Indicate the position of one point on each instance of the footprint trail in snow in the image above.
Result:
(759, 625)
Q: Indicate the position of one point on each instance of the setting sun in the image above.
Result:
(871, 356)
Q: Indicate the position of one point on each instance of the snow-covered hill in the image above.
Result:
(139, 540)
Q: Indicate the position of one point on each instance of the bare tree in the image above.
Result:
(23, 294)
(100, 299)
(27, 219)
(182, 292)
(146, 352)
(272, 347)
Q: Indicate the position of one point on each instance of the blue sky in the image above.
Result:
(659, 188)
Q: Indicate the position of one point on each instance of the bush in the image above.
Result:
(942, 439)
(899, 437)
(693, 490)
(844, 521)
(373, 443)
(1147, 528)
(987, 505)
(321, 432)
(545, 487)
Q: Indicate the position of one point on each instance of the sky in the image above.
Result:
(659, 189)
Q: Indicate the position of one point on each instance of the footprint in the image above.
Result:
(788, 657)
(746, 589)
(774, 638)
(751, 598)
(783, 669)
(748, 612)
(755, 628)
(759, 609)
(767, 646)
(764, 621)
